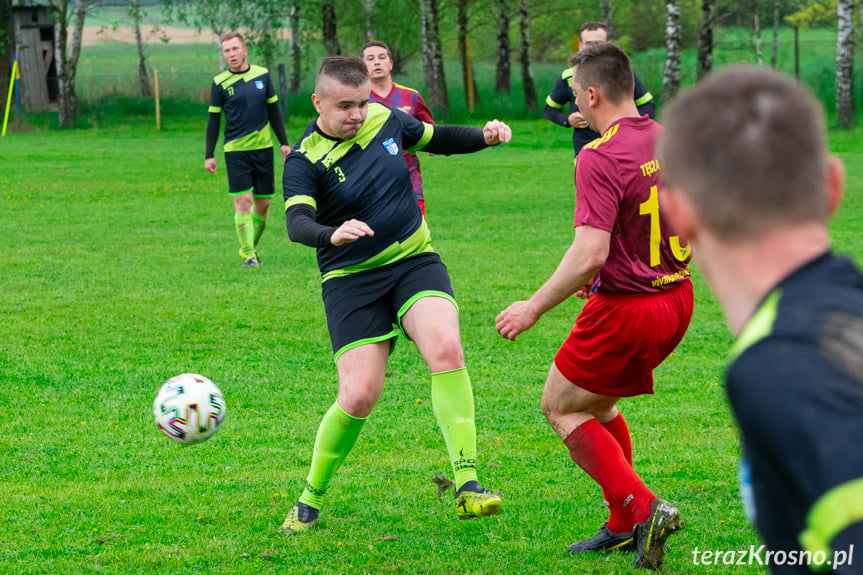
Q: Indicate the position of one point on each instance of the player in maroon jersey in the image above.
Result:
(636, 278)
(379, 62)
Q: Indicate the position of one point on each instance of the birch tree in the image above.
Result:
(436, 92)
(67, 51)
(294, 76)
(524, 55)
(608, 17)
(774, 54)
(503, 71)
(845, 105)
(705, 39)
(756, 24)
(143, 78)
(371, 9)
(673, 37)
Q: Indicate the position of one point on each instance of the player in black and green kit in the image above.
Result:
(246, 95)
(348, 193)
(749, 182)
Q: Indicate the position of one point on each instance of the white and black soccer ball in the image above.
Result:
(189, 408)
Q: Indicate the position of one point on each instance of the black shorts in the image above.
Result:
(367, 306)
(251, 170)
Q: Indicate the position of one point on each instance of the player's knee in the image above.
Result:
(358, 402)
(446, 355)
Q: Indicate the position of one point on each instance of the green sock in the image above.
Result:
(245, 233)
(336, 437)
(260, 223)
(452, 402)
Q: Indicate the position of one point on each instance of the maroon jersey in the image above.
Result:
(617, 190)
(411, 103)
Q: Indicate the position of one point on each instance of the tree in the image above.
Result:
(329, 29)
(294, 81)
(66, 55)
(608, 18)
(143, 79)
(371, 9)
(774, 54)
(7, 46)
(756, 22)
(524, 55)
(671, 77)
(503, 68)
(217, 16)
(845, 106)
(436, 92)
(461, 32)
(705, 39)
(861, 23)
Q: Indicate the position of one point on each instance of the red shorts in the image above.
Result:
(619, 339)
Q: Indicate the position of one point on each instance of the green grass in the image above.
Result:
(120, 270)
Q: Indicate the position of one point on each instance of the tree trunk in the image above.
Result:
(861, 21)
(67, 60)
(524, 55)
(671, 76)
(7, 49)
(774, 56)
(329, 29)
(845, 106)
(461, 31)
(294, 82)
(503, 73)
(705, 39)
(756, 19)
(609, 19)
(371, 9)
(436, 92)
(143, 79)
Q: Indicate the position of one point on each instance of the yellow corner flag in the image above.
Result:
(15, 75)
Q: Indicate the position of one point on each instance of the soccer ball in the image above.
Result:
(189, 408)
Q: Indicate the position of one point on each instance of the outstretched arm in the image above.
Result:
(454, 139)
(583, 259)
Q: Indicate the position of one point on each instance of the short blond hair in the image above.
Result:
(747, 147)
(230, 36)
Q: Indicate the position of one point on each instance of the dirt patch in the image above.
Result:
(94, 35)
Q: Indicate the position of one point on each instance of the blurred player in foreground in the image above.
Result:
(748, 181)
(640, 302)
(348, 193)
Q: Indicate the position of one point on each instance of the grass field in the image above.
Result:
(120, 270)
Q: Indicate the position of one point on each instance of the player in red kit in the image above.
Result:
(379, 62)
(635, 276)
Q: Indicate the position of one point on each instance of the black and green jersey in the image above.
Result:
(365, 178)
(796, 387)
(243, 98)
(562, 94)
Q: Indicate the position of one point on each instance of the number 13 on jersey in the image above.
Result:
(651, 208)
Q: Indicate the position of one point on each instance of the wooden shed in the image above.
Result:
(33, 31)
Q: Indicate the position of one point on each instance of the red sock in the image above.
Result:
(620, 519)
(597, 452)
